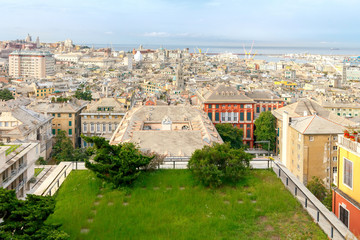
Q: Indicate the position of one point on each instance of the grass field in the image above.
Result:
(168, 204)
(38, 171)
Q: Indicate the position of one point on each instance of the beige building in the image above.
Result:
(175, 131)
(20, 123)
(17, 161)
(101, 118)
(343, 109)
(36, 64)
(306, 142)
(66, 116)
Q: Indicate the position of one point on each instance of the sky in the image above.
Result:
(204, 22)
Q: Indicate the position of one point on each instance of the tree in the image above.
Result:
(230, 134)
(26, 219)
(213, 165)
(118, 164)
(265, 129)
(63, 149)
(6, 95)
(84, 95)
(317, 187)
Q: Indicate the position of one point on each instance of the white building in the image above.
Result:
(37, 64)
(17, 161)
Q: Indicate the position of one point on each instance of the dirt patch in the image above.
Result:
(110, 203)
(269, 228)
(253, 201)
(84, 230)
(96, 203)
(240, 201)
(275, 238)
(182, 188)
(262, 219)
(223, 194)
(168, 188)
(156, 188)
(125, 203)
(99, 196)
(93, 212)
(226, 201)
(90, 220)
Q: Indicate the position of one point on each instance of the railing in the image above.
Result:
(58, 180)
(328, 222)
(20, 185)
(182, 162)
(352, 145)
(13, 174)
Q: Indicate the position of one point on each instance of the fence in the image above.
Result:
(55, 179)
(330, 224)
(181, 163)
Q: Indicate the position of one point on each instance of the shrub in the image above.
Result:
(212, 165)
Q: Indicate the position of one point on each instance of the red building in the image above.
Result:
(225, 104)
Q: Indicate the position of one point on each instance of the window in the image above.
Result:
(223, 117)
(210, 115)
(217, 117)
(241, 116)
(299, 137)
(311, 138)
(104, 127)
(334, 159)
(210, 106)
(241, 106)
(347, 173)
(70, 114)
(98, 127)
(53, 131)
(257, 109)
(59, 130)
(229, 116)
(248, 116)
(98, 116)
(92, 127)
(70, 123)
(217, 105)
(53, 114)
(59, 115)
(110, 129)
(335, 138)
(70, 132)
(85, 116)
(104, 117)
(85, 127)
(235, 116)
(344, 216)
(85, 144)
(334, 169)
(248, 135)
(334, 148)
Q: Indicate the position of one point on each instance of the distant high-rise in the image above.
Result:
(37, 64)
(28, 38)
(179, 77)
(38, 42)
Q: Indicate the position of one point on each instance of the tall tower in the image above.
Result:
(179, 76)
(38, 42)
(28, 38)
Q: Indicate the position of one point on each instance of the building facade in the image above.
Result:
(17, 161)
(66, 116)
(36, 64)
(101, 118)
(20, 123)
(346, 197)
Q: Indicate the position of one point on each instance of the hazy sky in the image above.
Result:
(317, 22)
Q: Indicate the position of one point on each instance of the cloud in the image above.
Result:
(156, 34)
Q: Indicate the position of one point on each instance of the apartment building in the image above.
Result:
(346, 197)
(17, 161)
(101, 118)
(36, 64)
(66, 116)
(20, 123)
(42, 90)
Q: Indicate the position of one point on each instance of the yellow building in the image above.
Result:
(42, 90)
(346, 197)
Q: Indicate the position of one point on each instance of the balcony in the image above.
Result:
(13, 175)
(20, 185)
(352, 145)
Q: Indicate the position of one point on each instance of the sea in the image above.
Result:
(268, 53)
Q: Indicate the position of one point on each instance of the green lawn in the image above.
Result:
(38, 171)
(168, 204)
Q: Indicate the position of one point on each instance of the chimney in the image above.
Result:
(284, 142)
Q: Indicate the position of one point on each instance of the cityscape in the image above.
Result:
(178, 133)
